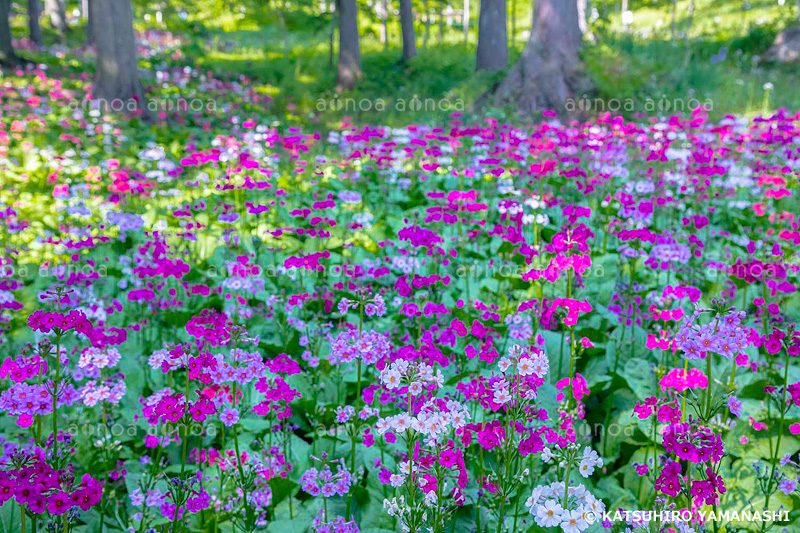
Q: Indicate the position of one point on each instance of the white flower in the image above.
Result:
(382, 426)
(415, 388)
(401, 422)
(504, 364)
(540, 365)
(397, 480)
(549, 514)
(525, 367)
(586, 468)
(573, 522)
(547, 455)
(392, 379)
(501, 396)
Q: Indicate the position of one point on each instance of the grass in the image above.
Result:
(712, 60)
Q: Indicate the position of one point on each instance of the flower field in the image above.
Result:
(213, 321)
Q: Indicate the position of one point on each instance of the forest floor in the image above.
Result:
(712, 58)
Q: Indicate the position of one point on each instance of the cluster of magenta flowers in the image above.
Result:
(466, 327)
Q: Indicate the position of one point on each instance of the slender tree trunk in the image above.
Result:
(284, 31)
(332, 34)
(385, 21)
(548, 73)
(427, 25)
(7, 54)
(116, 86)
(407, 29)
(34, 29)
(57, 13)
(465, 20)
(674, 15)
(440, 16)
(349, 46)
(513, 22)
(492, 38)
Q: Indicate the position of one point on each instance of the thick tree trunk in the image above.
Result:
(492, 37)
(57, 13)
(548, 73)
(349, 46)
(407, 29)
(7, 54)
(116, 85)
(34, 29)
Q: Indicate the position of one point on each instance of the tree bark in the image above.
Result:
(7, 54)
(407, 29)
(385, 23)
(440, 15)
(116, 85)
(34, 29)
(465, 20)
(58, 16)
(87, 12)
(513, 22)
(548, 73)
(349, 46)
(427, 25)
(492, 36)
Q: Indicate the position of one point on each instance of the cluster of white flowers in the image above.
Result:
(111, 391)
(97, 358)
(546, 504)
(588, 461)
(416, 375)
(397, 507)
(532, 361)
(432, 422)
(535, 204)
(527, 362)
(159, 358)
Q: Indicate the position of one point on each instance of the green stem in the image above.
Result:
(55, 396)
(780, 431)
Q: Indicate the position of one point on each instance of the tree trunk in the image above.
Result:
(87, 12)
(492, 37)
(334, 13)
(385, 21)
(465, 20)
(427, 25)
(7, 54)
(548, 73)
(349, 46)
(440, 15)
(513, 22)
(407, 29)
(583, 23)
(58, 16)
(34, 29)
(116, 84)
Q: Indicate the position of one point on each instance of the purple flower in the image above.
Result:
(787, 486)
(735, 406)
(229, 416)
